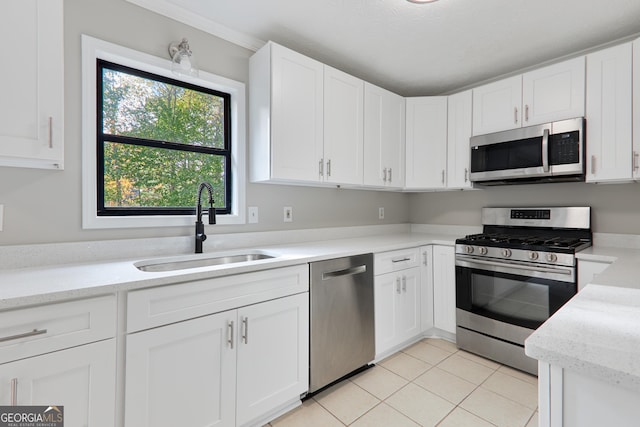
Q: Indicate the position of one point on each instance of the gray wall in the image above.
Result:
(615, 208)
(45, 206)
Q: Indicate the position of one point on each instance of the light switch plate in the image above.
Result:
(288, 214)
(253, 214)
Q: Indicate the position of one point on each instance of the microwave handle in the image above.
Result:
(545, 150)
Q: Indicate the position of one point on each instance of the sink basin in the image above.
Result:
(183, 264)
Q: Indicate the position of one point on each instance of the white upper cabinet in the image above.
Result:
(551, 93)
(32, 102)
(426, 142)
(497, 106)
(384, 127)
(286, 115)
(458, 134)
(609, 114)
(636, 109)
(306, 120)
(343, 127)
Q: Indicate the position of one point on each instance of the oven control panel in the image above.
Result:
(523, 255)
(544, 214)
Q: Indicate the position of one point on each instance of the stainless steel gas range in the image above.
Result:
(514, 276)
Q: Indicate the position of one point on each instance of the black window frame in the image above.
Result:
(102, 138)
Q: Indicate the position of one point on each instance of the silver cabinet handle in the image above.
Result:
(593, 165)
(466, 174)
(390, 175)
(636, 155)
(321, 168)
(404, 284)
(398, 290)
(14, 392)
(230, 334)
(424, 258)
(400, 260)
(329, 167)
(245, 333)
(515, 115)
(50, 132)
(24, 335)
(384, 175)
(526, 113)
(443, 176)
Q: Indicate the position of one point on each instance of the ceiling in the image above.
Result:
(415, 49)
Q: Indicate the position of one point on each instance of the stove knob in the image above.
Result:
(552, 257)
(533, 255)
(506, 253)
(483, 250)
(468, 249)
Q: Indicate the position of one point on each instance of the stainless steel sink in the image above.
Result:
(183, 264)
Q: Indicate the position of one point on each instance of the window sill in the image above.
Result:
(105, 222)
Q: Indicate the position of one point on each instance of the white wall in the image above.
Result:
(615, 208)
(45, 206)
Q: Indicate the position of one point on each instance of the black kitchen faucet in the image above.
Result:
(200, 236)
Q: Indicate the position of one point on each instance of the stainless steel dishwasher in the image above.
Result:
(342, 337)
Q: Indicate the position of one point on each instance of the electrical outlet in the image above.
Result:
(253, 214)
(380, 213)
(288, 214)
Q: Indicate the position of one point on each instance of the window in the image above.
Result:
(159, 138)
(150, 137)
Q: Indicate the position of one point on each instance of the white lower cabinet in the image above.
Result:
(444, 288)
(397, 300)
(82, 379)
(224, 369)
(587, 270)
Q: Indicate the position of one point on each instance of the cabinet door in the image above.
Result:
(82, 379)
(408, 309)
(343, 127)
(497, 106)
(296, 115)
(182, 374)
(273, 355)
(32, 102)
(553, 93)
(636, 109)
(387, 289)
(609, 116)
(384, 125)
(444, 288)
(426, 289)
(459, 119)
(426, 150)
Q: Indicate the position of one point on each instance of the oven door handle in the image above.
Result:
(513, 266)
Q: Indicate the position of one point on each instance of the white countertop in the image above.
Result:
(38, 285)
(597, 333)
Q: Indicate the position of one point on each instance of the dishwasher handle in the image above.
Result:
(351, 271)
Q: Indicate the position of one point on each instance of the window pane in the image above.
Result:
(139, 176)
(145, 108)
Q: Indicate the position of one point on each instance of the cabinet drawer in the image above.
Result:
(36, 330)
(386, 262)
(148, 308)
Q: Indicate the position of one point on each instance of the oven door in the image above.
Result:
(517, 293)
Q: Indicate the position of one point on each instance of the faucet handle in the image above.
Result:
(212, 215)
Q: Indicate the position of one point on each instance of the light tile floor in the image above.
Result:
(431, 383)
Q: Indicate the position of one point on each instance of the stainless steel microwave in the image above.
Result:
(543, 153)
